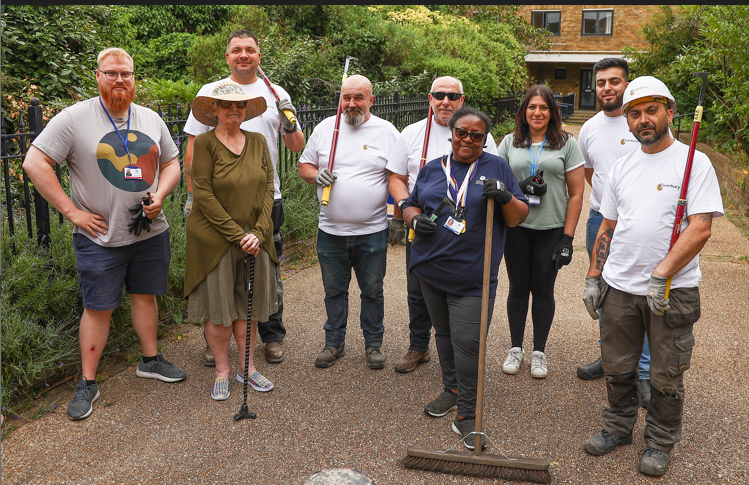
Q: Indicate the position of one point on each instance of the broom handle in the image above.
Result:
(424, 148)
(484, 321)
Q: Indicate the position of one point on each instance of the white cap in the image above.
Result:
(644, 89)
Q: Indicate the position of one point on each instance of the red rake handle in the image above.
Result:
(423, 161)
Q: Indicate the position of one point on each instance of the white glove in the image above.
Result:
(592, 296)
(325, 177)
(188, 204)
(656, 294)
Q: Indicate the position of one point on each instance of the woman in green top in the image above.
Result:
(549, 165)
(232, 180)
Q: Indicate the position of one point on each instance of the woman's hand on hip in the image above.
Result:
(250, 244)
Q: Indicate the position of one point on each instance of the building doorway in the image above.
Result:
(587, 90)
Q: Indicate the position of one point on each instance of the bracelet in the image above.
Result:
(288, 132)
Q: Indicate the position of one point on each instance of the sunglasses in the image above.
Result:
(439, 96)
(462, 134)
(227, 104)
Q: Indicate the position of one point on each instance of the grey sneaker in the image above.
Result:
(160, 369)
(375, 358)
(654, 462)
(81, 406)
(329, 355)
(464, 427)
(604, 442)
(444, 403)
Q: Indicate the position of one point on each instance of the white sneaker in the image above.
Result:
(513, 360)
(539, 368)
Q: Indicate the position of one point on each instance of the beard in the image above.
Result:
(658, 134)
(353, 116)
(615, 104)
(118, 100)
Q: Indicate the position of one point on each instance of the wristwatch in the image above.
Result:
(400, 204)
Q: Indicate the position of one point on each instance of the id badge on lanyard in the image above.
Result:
(456, 223)
(131, 171)
(535, 199)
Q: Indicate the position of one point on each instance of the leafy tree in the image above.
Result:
(154, 21)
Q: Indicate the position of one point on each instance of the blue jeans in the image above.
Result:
(594, 223)
(367, 256)
(419, 322)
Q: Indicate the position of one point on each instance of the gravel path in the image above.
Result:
(144, 431)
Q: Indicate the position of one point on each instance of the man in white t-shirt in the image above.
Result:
(445, 97)
(632, 267)
(243, 57)
(603, 140)
(352, 230)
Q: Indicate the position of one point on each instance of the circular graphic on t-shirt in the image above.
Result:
(113, 160)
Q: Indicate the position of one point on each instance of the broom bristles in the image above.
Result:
(476, 470)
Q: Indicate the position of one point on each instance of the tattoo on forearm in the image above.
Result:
(602, 250)
(706, 217)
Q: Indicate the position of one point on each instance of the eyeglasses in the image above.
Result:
(462, 134)
(227, 104)
(439, 96)
(112, 75)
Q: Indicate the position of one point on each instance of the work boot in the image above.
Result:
(411, 360)
(275, 352)
(329, 355)
(591, 371)
(645, 393)
(375, 358)
(604, 442)
(654, 462)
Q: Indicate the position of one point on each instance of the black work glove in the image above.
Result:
(423, 226)
(497, 190)
(396, 231)
(136, 221)
(562, 254)
(146, 224)
(534, 185)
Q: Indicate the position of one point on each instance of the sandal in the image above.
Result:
(257, 381)
(220, 391)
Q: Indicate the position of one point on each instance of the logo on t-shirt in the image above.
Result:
(113, 161)
(625, 140)
(367, 147)
(666, 186)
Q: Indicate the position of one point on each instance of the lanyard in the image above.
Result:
(127, 133)
(452, 186)
(534, 162)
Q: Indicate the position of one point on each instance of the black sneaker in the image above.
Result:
(654, 462)
(464, 427)
(604, 443)
(375, 358)
(160, 369)
(329, 355)
(81, 406)
(444, 403)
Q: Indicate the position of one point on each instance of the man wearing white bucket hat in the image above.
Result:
(243, 57)
(630, 268)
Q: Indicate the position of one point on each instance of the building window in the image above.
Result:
(560, 73)
(598, 22)
(549, 20)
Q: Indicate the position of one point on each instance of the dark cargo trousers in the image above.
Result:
(626, 319)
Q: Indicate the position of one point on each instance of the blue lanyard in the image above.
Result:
(534, 162)
(127, 133)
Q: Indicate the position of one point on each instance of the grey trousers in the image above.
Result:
(626, 319)
(457, 328)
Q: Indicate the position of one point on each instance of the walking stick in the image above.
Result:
(425, 147)
(244, 413)
(688, 171)
(289, 115)
(326, 190)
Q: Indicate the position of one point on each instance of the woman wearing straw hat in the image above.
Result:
(232, 179)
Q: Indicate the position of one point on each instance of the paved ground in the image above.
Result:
(143, 431)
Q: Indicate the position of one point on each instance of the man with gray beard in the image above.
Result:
(352, 230)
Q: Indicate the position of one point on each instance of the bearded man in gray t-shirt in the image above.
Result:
(123, 163)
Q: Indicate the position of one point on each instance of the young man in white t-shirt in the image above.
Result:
(243, 57)
(632, 267)
(446, 96)
(603, 140)
(352, 230)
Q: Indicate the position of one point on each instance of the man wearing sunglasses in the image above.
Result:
(243, 58)
(445, 98)
(117, 152)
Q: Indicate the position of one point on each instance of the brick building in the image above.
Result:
(581, 36)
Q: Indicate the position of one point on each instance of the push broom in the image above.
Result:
(478, 464)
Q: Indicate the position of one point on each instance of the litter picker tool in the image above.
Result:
(682, 205)
(289, 115)
(326, 190)
(244, 413)
(430, 113)
(480, 464)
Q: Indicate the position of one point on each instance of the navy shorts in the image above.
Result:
(143, 267)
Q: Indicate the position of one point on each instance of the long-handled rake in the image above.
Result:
(477, 464)
(244, 413)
